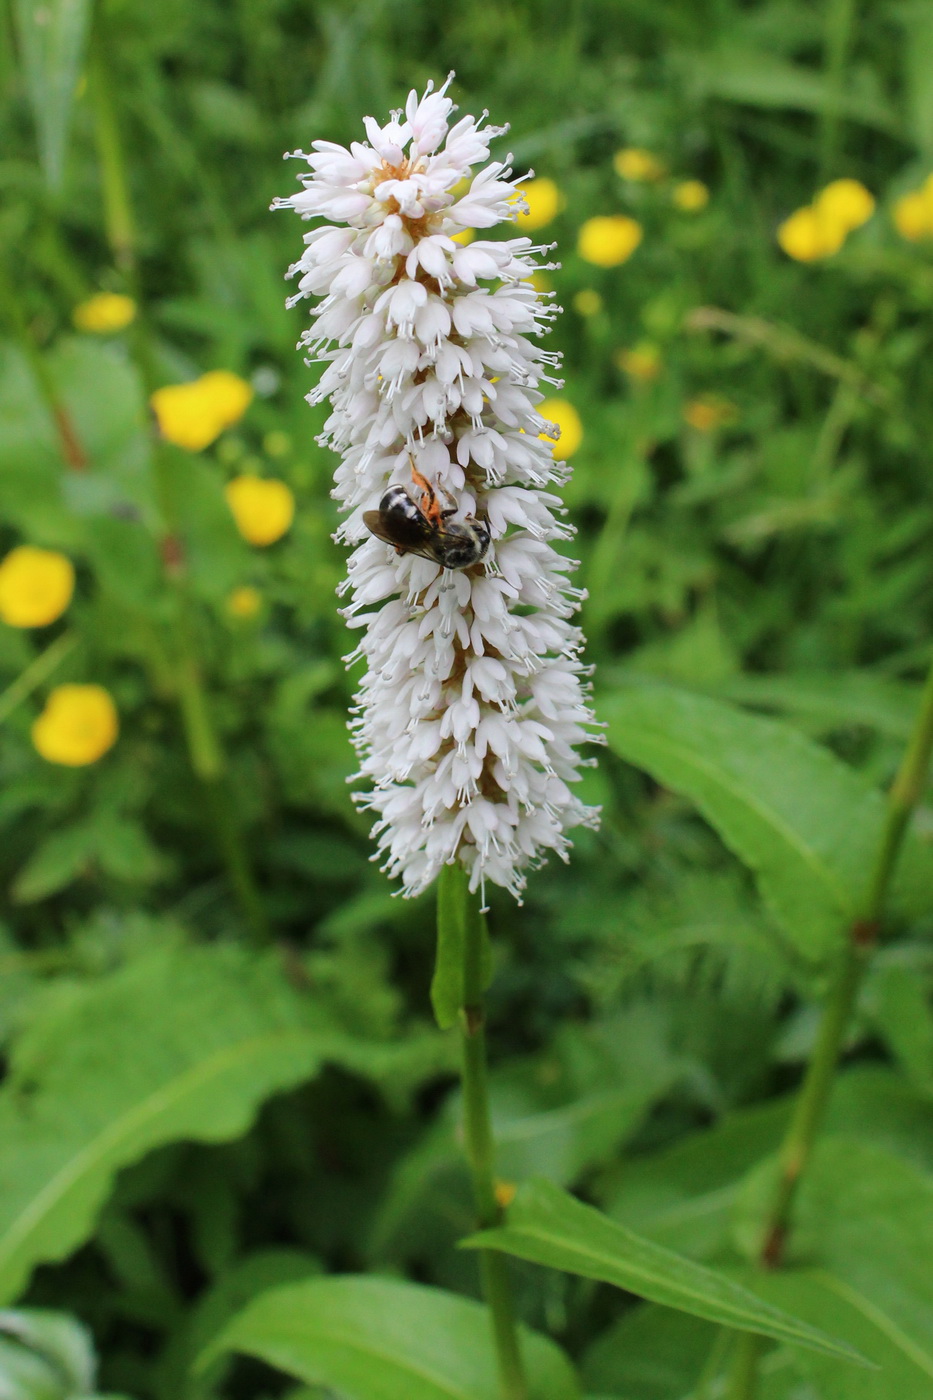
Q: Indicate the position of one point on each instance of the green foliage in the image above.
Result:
(801, 820)
(179, 1045)
(190, 1132)
(547, 1226)
(381, 1339)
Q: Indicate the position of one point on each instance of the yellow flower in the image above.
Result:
(244, 601)
(691, 196)
(192, 415)
(709, 412)
(635, 164)
(78, 725)
(544, 202)
(104, 313)
(262, 508)
(609, 240)
(588, 302)
(913, 213)
(845, 202)
(35, 586)
(809, 234)
(465, 236)
(642, 361)
(563, 413)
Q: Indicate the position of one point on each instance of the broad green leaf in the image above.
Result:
(868, 1217)
(547, 1226)
(805, 823)
(382, 1339)
(455, 906)
(654, 1353)
(898, 1003)
(52, 38)
(905, 1368)
(183, 1044)
(832, 701)
(685, 1195)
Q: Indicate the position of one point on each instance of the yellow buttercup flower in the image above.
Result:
(104, 313)
(845, 202)
(78, 725)
(808, 234)
(465, 236)
(544, 201)
(691, 196)
(192, 415)
(263, 508)
(913, 213)
(588, 302)
(642, 361)
(633, 163)
(244, 601)
(35, 586)
(563, 413)
(709, 412)
(609, 240)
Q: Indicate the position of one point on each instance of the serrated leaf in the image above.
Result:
(184, 1044)
(52, 38)
(382, 1339)
(807, 825)
(546, 1225)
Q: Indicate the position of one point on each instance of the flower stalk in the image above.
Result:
(477, 1130)
(862, 936)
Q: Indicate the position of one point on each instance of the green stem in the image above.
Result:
(69, 444)
(799, 1140)
(204, 748)
(478, 1139)
(36, 673)
(744, 1378)
(840, 16)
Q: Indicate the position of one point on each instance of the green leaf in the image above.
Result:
(905, 1369)
(455, 905)
(185, 1044)
(654, 1353)
(52, 39)
(58, 1340)
(805, 823)
(381, 1339)
(547, 1226)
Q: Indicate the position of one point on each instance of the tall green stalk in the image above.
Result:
(477, 1132)
(204, 747)
(809, 1111)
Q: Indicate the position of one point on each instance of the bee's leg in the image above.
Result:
(429, 505)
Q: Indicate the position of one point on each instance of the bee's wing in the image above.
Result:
(407, 536)
(374, 524)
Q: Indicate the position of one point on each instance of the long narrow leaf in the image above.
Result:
(546, 1225)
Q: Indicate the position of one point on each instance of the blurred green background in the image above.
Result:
(752, 491)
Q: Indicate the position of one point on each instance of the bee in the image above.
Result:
(426, 529)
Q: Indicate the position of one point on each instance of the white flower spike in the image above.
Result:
(474, 696)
